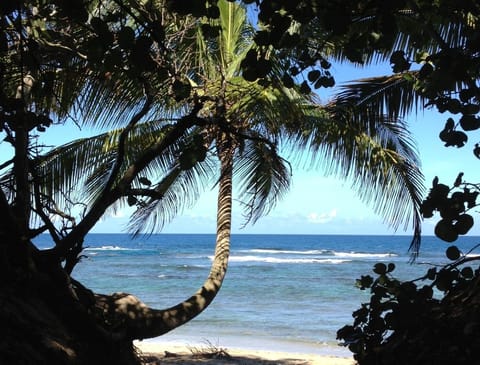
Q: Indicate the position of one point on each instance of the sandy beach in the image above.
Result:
(159, 353)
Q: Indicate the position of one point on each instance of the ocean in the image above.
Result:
(282, 292)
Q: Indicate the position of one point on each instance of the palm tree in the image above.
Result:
(236, 127)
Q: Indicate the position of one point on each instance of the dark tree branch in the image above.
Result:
(46, 220)
(7, 223)
(121, 142)
(151, 193)
(108, 198)
(6, 163)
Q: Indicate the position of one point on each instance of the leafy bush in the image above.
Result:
(434, 319)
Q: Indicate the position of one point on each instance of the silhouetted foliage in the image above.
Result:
(430, 320)
(452, 204)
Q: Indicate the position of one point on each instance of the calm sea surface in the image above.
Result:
(282, 292)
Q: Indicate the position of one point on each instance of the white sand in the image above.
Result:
(188, 356)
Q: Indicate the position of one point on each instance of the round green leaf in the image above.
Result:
(287, 81)
(469, 122)
(444, 280)
(131, 200)
(181, 90)
(445, 231)
(432, 273)
(304, 88)
(453, 253)
(380, 268)
(313, 75)
(464, 223)
(187, 159)
(249, 74)
(471, 109)
(467, 272)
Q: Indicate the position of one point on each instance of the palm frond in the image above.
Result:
(392, 95)
(264, 178)
(436, 34)
(379, 157)
(221, 56)
(107, 105)
(65, 167)
(270, 110)
(377, 106)
(180, 190)
(140, 138)
(232, 20)
(87, 162)
(237, 35)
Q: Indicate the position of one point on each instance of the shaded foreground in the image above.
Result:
(155, 354)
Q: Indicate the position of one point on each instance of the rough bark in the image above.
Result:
(48, 319)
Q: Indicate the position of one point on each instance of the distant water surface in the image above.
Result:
(289, 292)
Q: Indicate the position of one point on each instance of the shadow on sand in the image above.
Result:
(225, 359)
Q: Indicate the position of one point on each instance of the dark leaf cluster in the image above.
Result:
(430, 320)
(452, 204)
(451, 136)
(192, 152)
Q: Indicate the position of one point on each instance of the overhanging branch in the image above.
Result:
(121, 142)
(122, 186)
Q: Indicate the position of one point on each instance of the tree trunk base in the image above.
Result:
(39, 326)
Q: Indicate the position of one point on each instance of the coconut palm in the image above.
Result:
(237, 127)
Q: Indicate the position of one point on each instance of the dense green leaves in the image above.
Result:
(433, 318)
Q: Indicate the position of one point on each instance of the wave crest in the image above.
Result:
(324, 252)
(110, 248)
(277, 260)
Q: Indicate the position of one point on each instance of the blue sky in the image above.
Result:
(317, 204)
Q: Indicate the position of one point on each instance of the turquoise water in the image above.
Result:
(282, 292)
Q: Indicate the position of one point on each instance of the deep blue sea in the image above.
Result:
(290, 292)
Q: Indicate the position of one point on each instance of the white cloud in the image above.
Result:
(322, 218)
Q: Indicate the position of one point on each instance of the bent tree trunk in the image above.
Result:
(141, 321)
(49, 318)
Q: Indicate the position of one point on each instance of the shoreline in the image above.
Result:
(156, 352)
(249, 341)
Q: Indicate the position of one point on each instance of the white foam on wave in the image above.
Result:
(276, 260)
(363, 254)
(292, 252)
(109, 248)
(324, 252)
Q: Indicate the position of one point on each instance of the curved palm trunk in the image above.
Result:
(139, 320)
